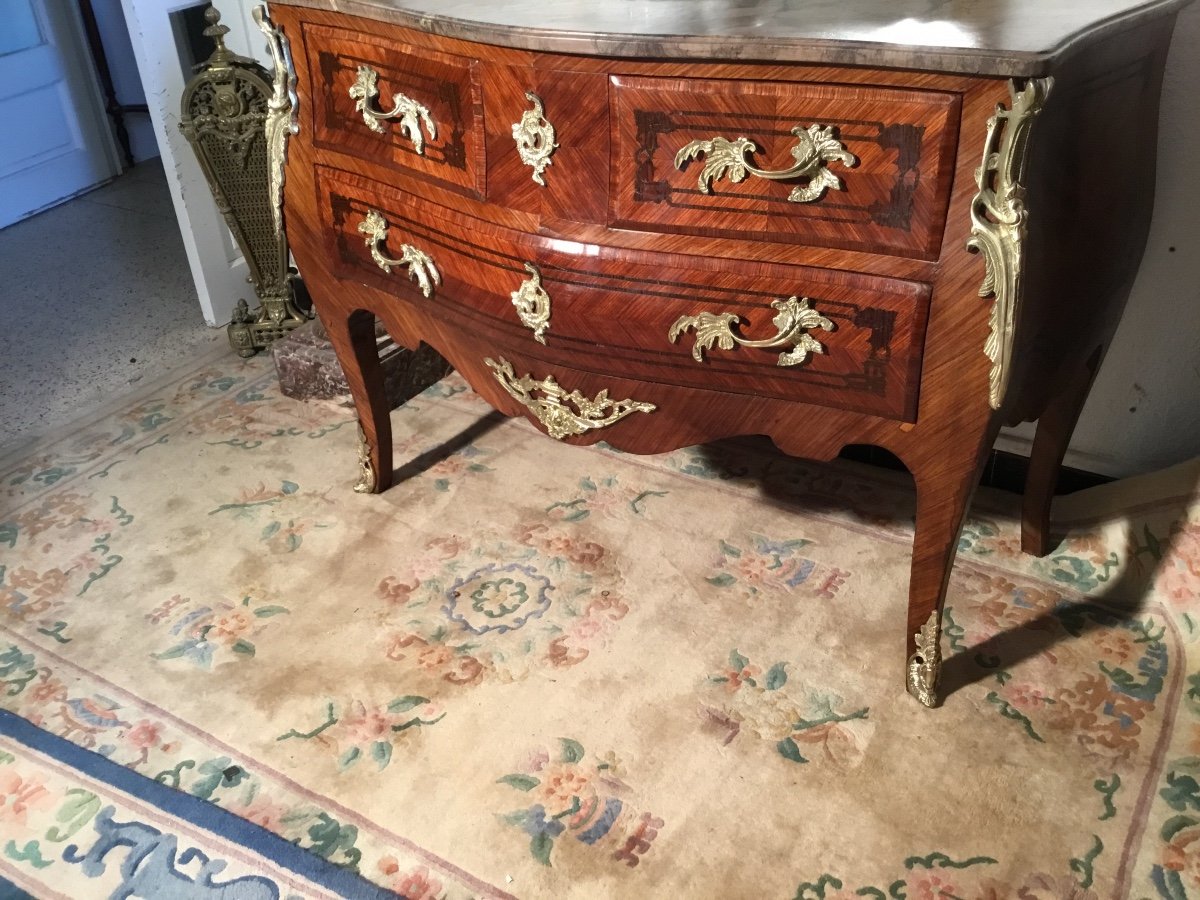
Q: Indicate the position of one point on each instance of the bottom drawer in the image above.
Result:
(836, 339)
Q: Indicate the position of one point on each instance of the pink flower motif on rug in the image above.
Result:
(417, 883)
(574, 796)
(761, 566)
(741, 697)
(19, 795)
(360, 731)
(1179, 575)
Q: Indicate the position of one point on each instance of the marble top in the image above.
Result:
(988, 37)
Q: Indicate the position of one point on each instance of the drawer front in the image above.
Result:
(409, 108)
(835, 339)
(851, 167)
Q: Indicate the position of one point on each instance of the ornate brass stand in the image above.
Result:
(237, 117)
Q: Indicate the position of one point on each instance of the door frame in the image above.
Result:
(62, 29)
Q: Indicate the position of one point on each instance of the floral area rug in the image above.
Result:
(537, 670)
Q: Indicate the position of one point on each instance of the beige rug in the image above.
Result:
(544, 671)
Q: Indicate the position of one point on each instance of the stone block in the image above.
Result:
(308, 368)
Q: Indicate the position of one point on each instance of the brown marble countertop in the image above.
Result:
(987, 37)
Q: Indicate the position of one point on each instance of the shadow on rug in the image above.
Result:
(543, 671)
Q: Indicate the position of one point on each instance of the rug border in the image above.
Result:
(39, 440)
(201, 814)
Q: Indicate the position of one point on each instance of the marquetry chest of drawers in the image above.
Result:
(659, 222)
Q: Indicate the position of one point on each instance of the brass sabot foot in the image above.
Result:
(366, 471)
(925, 664)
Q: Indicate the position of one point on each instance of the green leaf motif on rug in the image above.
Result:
(217, 773)
(776, 676)
(1193, 692)
(361, 731)
(788, 750)
(1080, 573)
(1107, 789)
(56, 632)
(913, 886)
(334, 841)
(1009, 711)
(31, 853)
(77, 810)
(942, 861)
(540, 846)
(976, 535)
(606, 496)
(1182, 792)
(520, 782)
(572, 751)
(100, 558)
(1083, 865)
(17, 669)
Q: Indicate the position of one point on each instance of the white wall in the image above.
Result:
(1144, 410)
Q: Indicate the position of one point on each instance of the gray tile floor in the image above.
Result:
(95, 298)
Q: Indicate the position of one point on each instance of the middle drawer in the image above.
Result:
(837, 339)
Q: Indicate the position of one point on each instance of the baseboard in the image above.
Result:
(1004, 470)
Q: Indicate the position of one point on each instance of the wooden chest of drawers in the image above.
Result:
(738, 226)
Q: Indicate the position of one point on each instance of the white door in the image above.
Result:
(54, 140)
(164, 65)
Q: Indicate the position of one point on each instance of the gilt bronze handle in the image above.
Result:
(420, 267)
(410, 113)
(794, 319)
(815, 146)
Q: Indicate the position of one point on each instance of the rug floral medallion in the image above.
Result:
(537, 670)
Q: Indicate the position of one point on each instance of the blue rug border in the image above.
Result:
(201, 813)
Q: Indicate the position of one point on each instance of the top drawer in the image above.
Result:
(892, 197)
(436, 127)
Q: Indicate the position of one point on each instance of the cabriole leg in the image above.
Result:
(943, 498)
(357, 350)
(1054, 430)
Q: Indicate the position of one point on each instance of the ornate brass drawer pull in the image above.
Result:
(793, 320)
(410, 113)
(533, 303)
(420, 267)
(815, 146)
(564, 414)
(535, 138)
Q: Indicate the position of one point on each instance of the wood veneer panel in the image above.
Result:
(447, 85)
(609, 304)
(894, 197)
